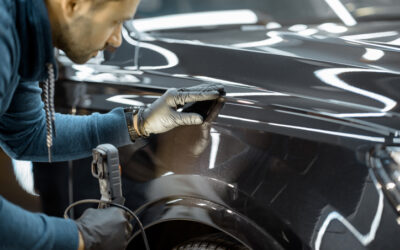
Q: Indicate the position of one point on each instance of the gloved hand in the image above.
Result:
(104, 229)
(162, 115)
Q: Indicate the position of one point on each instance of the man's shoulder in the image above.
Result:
(9, 40)
(7, 20)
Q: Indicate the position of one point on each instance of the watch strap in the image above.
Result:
(129, 114)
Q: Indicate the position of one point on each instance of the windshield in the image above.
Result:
(282, 11)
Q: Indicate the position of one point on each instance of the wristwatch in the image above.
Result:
(130, 112)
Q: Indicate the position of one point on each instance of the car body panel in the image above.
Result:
(282, 154)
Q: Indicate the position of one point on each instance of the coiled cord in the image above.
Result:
(48, 92)
(91, 201)
(51, 95)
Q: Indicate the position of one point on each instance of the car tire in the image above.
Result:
(217, 241)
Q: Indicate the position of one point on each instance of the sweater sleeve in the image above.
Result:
(20, 229)
(9, 57)
(23, 129)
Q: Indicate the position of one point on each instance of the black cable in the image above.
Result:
(146, 243)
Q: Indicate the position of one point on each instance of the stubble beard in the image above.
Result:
(72, 45)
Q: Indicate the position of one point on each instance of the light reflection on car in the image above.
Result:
(296, 155)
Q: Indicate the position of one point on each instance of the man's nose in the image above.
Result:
(115, 39)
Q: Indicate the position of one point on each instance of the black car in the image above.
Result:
(303, 152)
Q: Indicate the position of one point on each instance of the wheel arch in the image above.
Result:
(194, 217)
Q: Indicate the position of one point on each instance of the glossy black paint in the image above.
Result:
(279, 167)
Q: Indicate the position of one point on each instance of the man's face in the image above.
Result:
(91, 29)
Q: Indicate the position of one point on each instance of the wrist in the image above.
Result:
(135, 124)
(140, 123)
(132, 122)
(81, 245)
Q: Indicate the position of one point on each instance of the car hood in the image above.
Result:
(368, 45)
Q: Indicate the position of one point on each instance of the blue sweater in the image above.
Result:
(25, 49)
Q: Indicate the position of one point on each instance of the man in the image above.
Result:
(28, 31)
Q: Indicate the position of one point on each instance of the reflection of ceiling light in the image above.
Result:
(168, 173)
(332, 28)
(273, 25)
(373, 54)
(274, 39)
(225, 82)
(371, 35)
(125, 99)
(395, 42)
(245, 102)
(390, 186)
(396, 158)
(215, 138)
(238, 118)
(196, 20)
(321, 131)
(173, 201)
(246, 94)
(180, 75)
(341, 12)
(331, 77)
(298, 27)
(364, 239)
(172, 59)
(84, 69)
(359, 115)
(308, 32)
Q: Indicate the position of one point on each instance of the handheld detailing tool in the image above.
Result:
(105, 167)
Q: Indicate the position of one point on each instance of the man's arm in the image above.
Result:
(96, 229)
(23, 129)
(9, 56)
(20, 229)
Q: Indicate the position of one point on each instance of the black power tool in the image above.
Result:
(105, 167)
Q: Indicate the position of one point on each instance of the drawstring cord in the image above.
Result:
(48, 92)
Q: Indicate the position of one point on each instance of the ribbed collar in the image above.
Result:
(35, 38)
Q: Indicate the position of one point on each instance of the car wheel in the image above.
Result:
(210, 242)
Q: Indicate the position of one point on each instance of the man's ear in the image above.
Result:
(72, 8)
